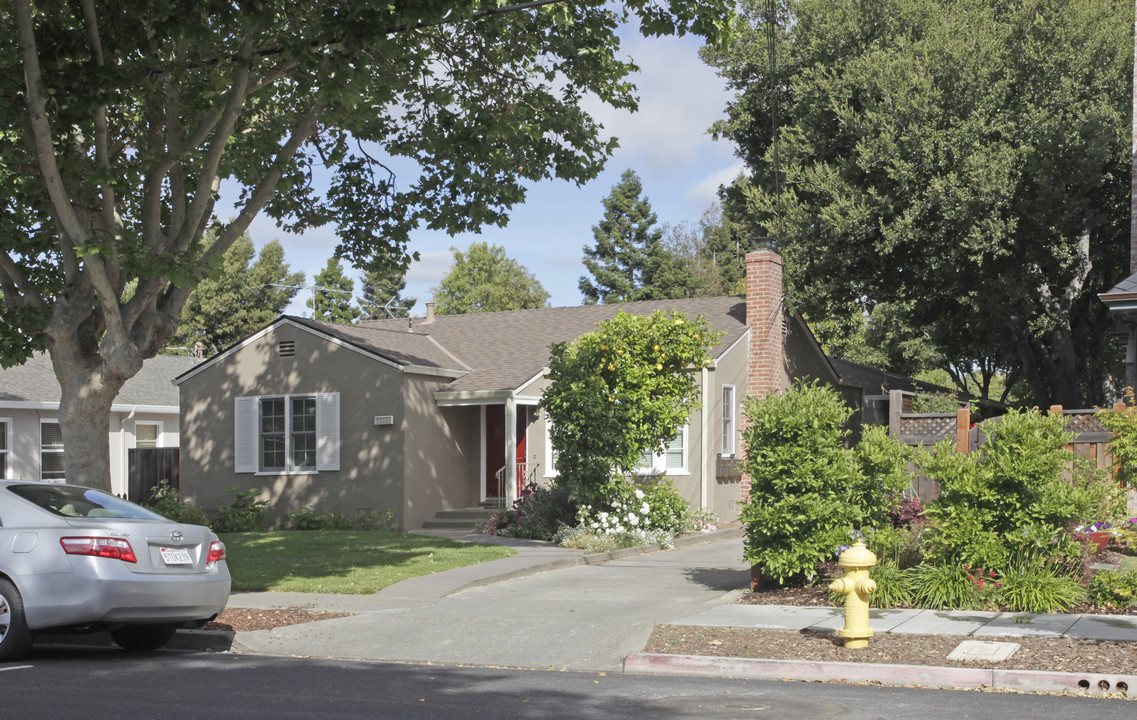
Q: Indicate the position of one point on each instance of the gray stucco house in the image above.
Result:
(145, 414)
(440, 413)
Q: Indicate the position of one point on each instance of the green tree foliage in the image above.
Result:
(808, 493)
(239, 297)
(620, 392)
(121, 120)
(967, 160)
(713, 253)
(485, 279)
(383, 289)
(629, 260)
(331, 296)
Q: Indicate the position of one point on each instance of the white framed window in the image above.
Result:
(672, 461)
(728, 415)
(51, 467)
(148, 433)
(287, 433)
(5, 448)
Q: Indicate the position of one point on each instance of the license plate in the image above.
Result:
(175, 556)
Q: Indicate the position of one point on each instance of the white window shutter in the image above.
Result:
(245, 435)
(327, 431)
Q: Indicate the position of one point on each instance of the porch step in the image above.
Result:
(463, 519)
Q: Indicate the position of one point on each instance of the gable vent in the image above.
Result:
(286, 348)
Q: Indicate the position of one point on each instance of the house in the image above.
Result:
(144, 415)
(441, 413)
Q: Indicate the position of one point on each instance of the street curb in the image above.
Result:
(925, 676)
(207, 640)
(597, 558)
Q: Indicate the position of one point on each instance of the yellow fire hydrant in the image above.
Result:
(856, 586)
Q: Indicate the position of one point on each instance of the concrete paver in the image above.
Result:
(943, 622)
(1104, 627)
(1028, 625)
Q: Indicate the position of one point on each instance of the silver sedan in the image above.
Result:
(78, 559)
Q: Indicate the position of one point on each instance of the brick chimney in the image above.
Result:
(765, 314)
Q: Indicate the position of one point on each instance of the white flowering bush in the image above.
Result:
(632, 515)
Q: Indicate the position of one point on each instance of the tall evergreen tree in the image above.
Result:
(238, 297)
(383, 289)
(625, 239)
(485, 279)
(331, 297)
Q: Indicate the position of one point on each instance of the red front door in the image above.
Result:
(495, 446)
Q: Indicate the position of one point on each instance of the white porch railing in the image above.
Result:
(525, 474)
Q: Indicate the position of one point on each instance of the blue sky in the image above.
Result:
(665, 142)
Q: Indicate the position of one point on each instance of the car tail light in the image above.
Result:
(216, 552)
(116, 548)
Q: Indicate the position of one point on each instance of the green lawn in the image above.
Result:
(343, 561)
(1129, 562)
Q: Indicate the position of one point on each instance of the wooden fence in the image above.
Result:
(927, 429)
(146, 468)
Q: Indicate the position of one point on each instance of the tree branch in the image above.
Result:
(41, 128)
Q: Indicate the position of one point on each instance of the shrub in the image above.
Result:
(807, 491)
(1123, 444)
(306, 518)
(247, 513)
(166, 501)
(538, 513)
(1113, 590)
(1021, 488)
(898, 545)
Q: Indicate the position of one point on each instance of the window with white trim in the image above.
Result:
(51, 452)
(287, 433)
(672, 461)
(5, 447)
(147, 434)
(728, 411)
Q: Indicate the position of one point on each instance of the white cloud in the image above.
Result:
(705, 192)
(680, 97)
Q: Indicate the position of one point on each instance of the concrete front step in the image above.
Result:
(462, 519)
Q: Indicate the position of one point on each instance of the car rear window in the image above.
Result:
(74, 501)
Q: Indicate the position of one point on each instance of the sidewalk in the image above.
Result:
(553, 608)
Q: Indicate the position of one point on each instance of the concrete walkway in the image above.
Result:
(552, 608)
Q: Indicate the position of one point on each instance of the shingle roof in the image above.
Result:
(34, 381)
(504, 350)
(397, 345)
(881, 380)
(1128, 286)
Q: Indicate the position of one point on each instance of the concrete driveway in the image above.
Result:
(581, 617)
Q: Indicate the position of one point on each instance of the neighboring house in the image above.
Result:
(421, 416)
(145, 414)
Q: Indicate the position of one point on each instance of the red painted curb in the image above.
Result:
(926, 676)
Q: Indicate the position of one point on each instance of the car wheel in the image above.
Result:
(15, 637)
(139, 638)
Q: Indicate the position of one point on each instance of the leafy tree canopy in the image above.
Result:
(967, 160)
(331, 296)
(238, 297)
(121, 120)
(485, 279)
(620, 392)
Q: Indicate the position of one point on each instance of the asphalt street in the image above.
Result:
(68, 683)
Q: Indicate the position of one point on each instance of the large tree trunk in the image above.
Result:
(89, 383)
